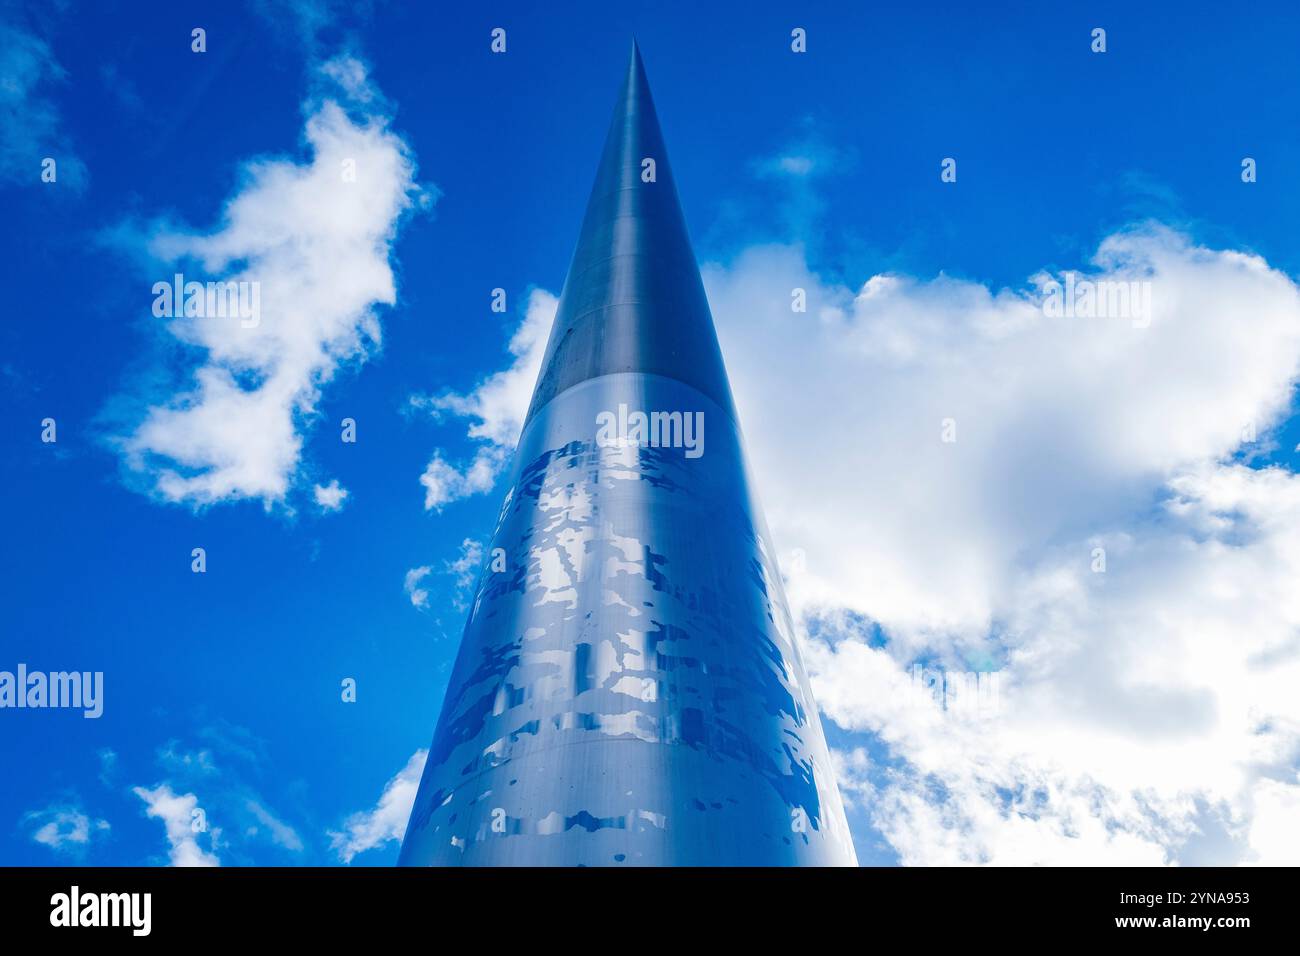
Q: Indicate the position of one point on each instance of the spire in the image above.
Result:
(628, 689)
(633, 300)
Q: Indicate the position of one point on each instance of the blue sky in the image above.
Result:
(226, 684)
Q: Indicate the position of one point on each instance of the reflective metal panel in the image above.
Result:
(633, 300)
(628, 690)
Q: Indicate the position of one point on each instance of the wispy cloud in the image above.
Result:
(310, 22)
(226, 773)
(108, 766)
(281, 833)
(465, 570)
(121, 87)
(807, 156)
(31, 128)
(789, 181)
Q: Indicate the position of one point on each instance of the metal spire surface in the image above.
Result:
(628, 690)
(633, 300)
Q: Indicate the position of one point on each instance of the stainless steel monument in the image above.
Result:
(628, 690)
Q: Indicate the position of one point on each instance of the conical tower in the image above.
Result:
(628, 690)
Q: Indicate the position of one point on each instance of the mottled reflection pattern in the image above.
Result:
(628, 690)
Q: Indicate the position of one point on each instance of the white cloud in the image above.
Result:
(1274, 836)
(31, 128)
(330, 497)
(177, 814)
(1148, 711)
(852, 773)
(386, 822)
(419, 596)
(495, 410)
(350, 75)
(1062, 424)
(318, 243)
(444, 483)
(63, 827)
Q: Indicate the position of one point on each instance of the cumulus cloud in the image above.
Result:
(31, 128)
(178, 817)
(64, 828)
(1060, 424)
(1095, 534)
(330, 497)
(1274, 839)
(386, 822)
(313, 241)
(963, 479)
(495, 410)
